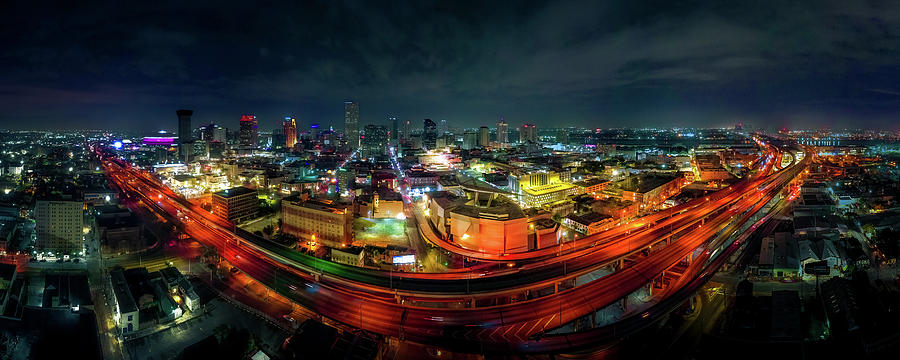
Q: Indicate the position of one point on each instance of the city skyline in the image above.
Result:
(450, 180)
(565, 63)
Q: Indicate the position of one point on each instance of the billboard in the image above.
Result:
(404, 259)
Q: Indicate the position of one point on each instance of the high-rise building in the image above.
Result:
(351, 124)
(249, 131)
(405, 134)
(502, 132)
(184, 126)
(58, 226)
(528, 133)
(443, 129)
(375, 141)
(470, 140)
(314, 132)
(275, 138)
(429, 134)
(206, 132)
(219, 134)
(185, 139)
(484, 136)
(289, 129)
(395, 131)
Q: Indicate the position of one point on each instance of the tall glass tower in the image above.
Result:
(351, 124)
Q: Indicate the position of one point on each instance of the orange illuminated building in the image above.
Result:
(289, 128)
(488, 224)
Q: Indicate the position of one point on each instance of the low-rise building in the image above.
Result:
(489, 223)
(119, 229)
(388, 204)
(354, 255)
(590, 223)
(708, 167)
(616, 208)
(323, 220)
(191, 299)
(420, 178)
(126, 312)
(651, 189)
(778, 256)
(537, 196)
(545, 232)
(7, 279)
(591, 186)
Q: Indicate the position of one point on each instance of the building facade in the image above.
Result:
(375, 141)
(249, 135)
(289, 129)
(313, 220)
(484, 136)
(58, 226)
(538, 196)
(528, 133)
(351, 124)
(185, 139)
(429, 134)
(126, 314)
(502, 132)
(235, 204)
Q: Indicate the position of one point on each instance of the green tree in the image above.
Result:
(869, 230)
(594, 167)
(210, 255)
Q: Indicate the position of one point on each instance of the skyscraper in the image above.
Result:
(185, 140)
(206, 132)
(470, 140)
(429, 134)
(184, 125)
(484, 136)
(395, 131)
(289, 129)
(443, 129)
(502, 132)
(219, 134)
(375, 140)
(528, 133)
(405, 132)
(249, 131)
(351, 124)
(314, 132)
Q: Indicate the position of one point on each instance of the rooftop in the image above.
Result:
(316, 205)
(123, 294)
(235, 191)
(499, 209)
(591, 182)
(588, 219)
(646, 182)
(547, 189)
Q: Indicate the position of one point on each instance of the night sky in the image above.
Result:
(130, 65)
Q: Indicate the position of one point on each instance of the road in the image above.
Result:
(508, 327)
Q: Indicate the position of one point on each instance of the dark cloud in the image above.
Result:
(589, 63)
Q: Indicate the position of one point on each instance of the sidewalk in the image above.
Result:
(160, 327)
